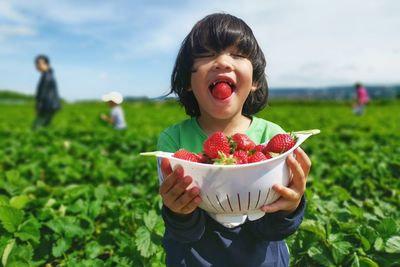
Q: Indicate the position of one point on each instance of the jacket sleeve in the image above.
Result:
(184, 230)
(47, 98)
(278, 226)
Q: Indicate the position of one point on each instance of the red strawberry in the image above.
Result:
(260, 147)
(256, 157)
(203, 158)
(280, 143)
(240, 156)
(186, 155)
(217, 142)
(221, 91)
(268, 156)
(243, 142)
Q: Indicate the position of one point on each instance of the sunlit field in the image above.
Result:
(78, 194)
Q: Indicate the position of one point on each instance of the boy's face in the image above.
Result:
(211, 68)
(41, 65)
(111, 103)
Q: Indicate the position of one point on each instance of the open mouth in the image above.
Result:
(222, 88)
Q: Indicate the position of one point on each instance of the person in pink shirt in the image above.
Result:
(362, 99)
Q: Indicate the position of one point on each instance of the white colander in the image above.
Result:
(229, 192)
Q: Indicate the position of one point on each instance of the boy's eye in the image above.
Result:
(204, 55)
(238, 56)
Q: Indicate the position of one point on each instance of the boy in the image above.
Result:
(222, 49)
(47, 99)
(116, 118)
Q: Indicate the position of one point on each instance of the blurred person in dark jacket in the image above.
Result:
(47, 99)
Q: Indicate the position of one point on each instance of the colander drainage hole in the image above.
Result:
(220, 203)
(248, 202)
(240, 208)
(212, 205)
(269, 191)
(229, 202)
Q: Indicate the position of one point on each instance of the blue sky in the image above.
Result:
(130, 46)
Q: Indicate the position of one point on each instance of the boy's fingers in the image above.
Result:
(286, 192)
(165, 167)
(304, 160)
(185, 198)
(299, 179)
(171, 180)
(178, 189)
(193, 204)
(280, 204)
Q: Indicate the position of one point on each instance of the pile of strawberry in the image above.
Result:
(237, 149)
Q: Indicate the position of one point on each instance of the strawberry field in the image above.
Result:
(78, 193)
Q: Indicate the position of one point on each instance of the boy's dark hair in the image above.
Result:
(217, 32)
(358, 85)
(42, 57)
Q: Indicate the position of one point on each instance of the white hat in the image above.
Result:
(115, 97)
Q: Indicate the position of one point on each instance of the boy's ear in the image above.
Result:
(253, 87)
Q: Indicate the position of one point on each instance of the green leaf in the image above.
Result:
(19, 202)
(14, 184)
(7, 251)
(368, 232)
(18, 263)
(387, 227)
(341, 193)
(94, 209)
(12, 175)
(20, 256)
(60, 247)
(339, 250)
(68, 227)
(393, 245)
(93, 249)
(29, 230)
(4, 200)
(150, 219)
(365, 243)
(356, 211)
(368, 262)
(144, 243)
(378, 245)
(3, 242)
(314, 227)
(101, 192)
(355, 260)
(10, 218)
(317, 255)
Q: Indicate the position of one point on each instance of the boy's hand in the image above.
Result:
(173, 190)
(291, 195)
(103, 117)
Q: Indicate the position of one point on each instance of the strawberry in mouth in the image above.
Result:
(221, 89)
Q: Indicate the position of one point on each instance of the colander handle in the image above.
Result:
(310, 132)
(160, 154)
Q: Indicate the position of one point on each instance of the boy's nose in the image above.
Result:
(222, 62)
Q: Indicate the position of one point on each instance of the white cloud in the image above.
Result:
(61, 11)
(324, 35)
(15, 30)
(77, 14)
(8, 12)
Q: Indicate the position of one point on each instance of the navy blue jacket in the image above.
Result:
(47, 99)
(199, 240)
